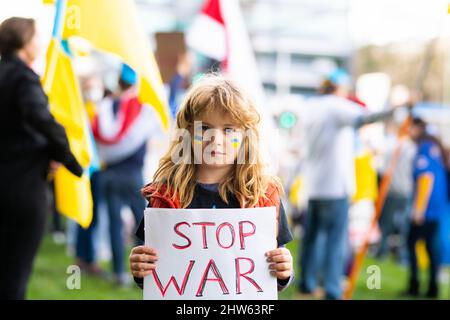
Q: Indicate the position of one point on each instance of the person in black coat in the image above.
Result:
(31, 142)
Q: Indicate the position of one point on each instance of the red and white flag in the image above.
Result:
(219, 32)
(208, 34)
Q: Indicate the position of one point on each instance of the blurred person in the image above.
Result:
(327, 134)
(179, 82)
(33, 144)
(398, 200)
(85, 246)
(429, 204)
(57, 229)
(122, 128)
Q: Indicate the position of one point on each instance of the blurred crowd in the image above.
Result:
(333, 177)
(343, 184)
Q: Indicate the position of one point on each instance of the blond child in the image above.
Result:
(215, 163)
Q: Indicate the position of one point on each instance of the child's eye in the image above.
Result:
(204, 128)
(229, 130)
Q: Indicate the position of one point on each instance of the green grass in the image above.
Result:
(393, 280)
(49, 277)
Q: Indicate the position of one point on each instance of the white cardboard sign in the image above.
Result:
(211, 254)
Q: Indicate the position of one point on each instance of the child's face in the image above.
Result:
(216, 140)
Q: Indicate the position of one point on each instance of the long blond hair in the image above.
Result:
(247, 181)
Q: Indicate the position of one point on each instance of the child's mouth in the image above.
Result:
(216, 153)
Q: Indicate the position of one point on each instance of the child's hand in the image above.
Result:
(282, 266)
(142, 261)
(418, 218)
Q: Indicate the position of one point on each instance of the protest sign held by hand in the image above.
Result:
(211, 253)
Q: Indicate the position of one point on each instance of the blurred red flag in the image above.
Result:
(219, 32)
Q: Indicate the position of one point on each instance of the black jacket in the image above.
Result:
(28, 132)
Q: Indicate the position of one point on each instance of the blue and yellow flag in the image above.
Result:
(112, 26)
(72, 194)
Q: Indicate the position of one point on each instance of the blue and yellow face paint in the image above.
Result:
(235, 142)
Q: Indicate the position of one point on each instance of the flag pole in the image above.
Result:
(379, 204)
(59, 19)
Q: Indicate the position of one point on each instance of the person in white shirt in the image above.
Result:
(327, 135)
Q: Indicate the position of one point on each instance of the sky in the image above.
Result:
(370, 21)
(383, 21)
(44, 15)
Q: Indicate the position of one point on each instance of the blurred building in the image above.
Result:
(296, 42)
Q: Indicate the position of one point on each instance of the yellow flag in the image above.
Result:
(366, 178)
(422, 256)
(296, 194)
(112, 26)
(72, 194)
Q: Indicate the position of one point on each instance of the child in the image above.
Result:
(220, 169)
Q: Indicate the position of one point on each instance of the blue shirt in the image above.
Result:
(429, 160)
